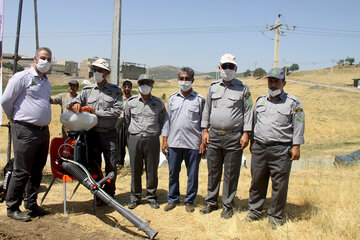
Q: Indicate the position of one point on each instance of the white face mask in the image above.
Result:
(98, 76)
(274, 93)
(43, 66)
(227, 74)
(185, 85)
(145, 89)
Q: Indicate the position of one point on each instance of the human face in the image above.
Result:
(127, 89)
(185, 77)
(73, 88)
(44, 55)
(275, 84)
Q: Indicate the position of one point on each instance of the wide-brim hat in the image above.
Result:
(101, 63)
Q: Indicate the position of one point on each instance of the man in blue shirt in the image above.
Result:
(182, 138)
(26, 102)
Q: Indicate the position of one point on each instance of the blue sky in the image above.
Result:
(191, 33)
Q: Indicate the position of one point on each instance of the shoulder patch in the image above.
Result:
(215, 82)
(247, 94)
(298, 110)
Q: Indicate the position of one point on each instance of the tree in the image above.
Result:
(350, 60)
(10, 66)
(259, 72)
(341, 62)
(294, 67)
(247, 73)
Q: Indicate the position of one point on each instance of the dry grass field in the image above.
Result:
(323, 201)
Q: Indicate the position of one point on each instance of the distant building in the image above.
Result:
(131, 70)
(69, 68)
(84, 71)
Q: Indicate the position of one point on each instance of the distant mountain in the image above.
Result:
(164, 72)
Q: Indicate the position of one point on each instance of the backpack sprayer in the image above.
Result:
(73, 159)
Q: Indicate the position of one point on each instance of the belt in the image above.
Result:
(224, 132)
(270, 144)
(29, 125)
(142, 135)
(103, 130)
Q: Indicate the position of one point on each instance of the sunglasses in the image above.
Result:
(100, 70)
(228, 66)
(185, 78)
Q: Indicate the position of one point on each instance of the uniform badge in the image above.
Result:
(298, 110)
(110, 92)
(218, 89)
(153, 105)
(300, 117)
(248, 98)
(33, 82)
(246, 95)
(137, 104)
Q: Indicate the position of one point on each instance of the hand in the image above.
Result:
(202, 149)
(244, 141)
(165, 146)
(295, 153)
(92, 110)
(75, 108)
(205, 137)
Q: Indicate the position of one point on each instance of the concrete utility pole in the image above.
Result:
(331, 73)
(277, 28)
(115, 46)
(313, 77)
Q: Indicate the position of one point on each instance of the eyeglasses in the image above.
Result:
(100, 70)
(228, 66)
(185, 78)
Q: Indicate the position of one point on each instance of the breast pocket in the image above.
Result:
(194, 113)
(234, 100)
(215, 100)
(34, 90)
(136, 114)
(283, 116)
(108, 101)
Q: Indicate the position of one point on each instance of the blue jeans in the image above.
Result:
(192, 160)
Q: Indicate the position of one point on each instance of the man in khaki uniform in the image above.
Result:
(105, 101)
(144, 114)
(278, 133)
(63, 99)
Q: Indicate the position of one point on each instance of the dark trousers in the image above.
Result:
(104, 143)
(192, 160)
(223, 150)
(30, 154)
(144, 150)
(122, 141)
(269, 162)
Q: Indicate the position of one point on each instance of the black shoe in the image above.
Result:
(133, 204)
(227, 212)
(275, 223)
(154, 205)
(36, 210)
(208, 209)
(169, 206)
(18, 215)
(251, 217)
(99, 202)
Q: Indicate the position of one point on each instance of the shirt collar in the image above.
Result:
(192, 93)
(231, 82)
(35, 74)
(282, 96)
(150, 98)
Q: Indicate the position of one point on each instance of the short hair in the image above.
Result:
(43, 48)
(187, 70)
(127, 83)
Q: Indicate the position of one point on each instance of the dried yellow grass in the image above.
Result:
(323, 201)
